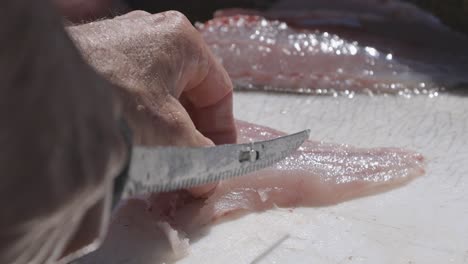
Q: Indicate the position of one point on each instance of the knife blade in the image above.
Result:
(164, 169)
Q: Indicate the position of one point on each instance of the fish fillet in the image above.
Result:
(337, 52)
(156, 228)
(318, 174)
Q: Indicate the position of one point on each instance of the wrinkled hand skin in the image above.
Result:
(173, 90)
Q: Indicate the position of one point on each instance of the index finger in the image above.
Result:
(210, 101)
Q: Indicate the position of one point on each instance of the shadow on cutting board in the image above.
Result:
(139, 232)
(460, 89)
(153, 230)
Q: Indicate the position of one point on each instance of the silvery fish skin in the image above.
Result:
(343, 54)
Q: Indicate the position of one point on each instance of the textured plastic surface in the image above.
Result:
(423, 222)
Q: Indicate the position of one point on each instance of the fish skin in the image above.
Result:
(338, 52)
(259, 52)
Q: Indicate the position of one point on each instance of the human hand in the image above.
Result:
(174, 92)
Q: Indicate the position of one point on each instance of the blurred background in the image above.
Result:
(453, 13)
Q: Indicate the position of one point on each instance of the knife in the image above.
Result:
(162, 169)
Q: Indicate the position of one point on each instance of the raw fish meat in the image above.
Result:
(156, 228)
(327, 51)
(318, 174)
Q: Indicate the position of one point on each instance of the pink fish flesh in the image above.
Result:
(318, 174)
(329, 52)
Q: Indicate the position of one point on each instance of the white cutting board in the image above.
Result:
(423, 222)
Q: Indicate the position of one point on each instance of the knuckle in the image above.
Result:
(139, 13)
(135, 14)
(184, 32)
(177, 18)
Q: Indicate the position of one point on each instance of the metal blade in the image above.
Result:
(170, 168)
